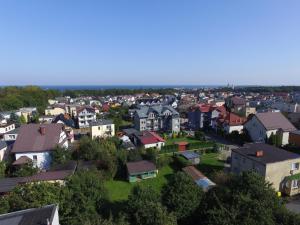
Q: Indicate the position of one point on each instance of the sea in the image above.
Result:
(132, 87)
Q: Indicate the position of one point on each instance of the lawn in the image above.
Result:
(171, 141)
(118, 190)
(209, 163)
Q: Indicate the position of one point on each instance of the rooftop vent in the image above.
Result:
(259, 153)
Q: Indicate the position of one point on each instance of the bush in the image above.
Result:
(181, 162)
(163, 161)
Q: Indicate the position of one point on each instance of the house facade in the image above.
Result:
(36, 142)
(157, 118)
(6, 127)
(102, 129)
(263, 125)
(279, 167)
(85, 115)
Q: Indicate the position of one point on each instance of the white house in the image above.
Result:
(35, 142)
(85, 115)
(6, 127)
(102, 128)
(3, 148)
(262, 125)
(148, 139)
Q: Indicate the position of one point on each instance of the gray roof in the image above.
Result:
(101, 122)
(271, 154)
(34, 216)
(274, 121)
(140, 167)
(3, 144)
(7, 184)
(143, 111)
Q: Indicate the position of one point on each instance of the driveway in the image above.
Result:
(294, 205)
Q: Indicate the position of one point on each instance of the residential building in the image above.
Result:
(148, 139)
(6, 127)
(236, 104)
(141, 170)
(102, 128)
(262, 125)
(85, 115)
(46, 215)
(27, 112)
(157, 118)
(198, 177)
(199, 116)
(55, 110)
(11, 136)
(233, 122)
(3, 148)
(279, 167)
(294, 138)
(36, 142)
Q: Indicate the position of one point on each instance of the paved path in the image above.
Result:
(294, 205)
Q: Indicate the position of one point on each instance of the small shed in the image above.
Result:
(182, 146)
(201, 180)
(192, 157)
(141, 170)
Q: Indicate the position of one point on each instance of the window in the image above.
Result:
(295, 166)
(34, 157)
(295, 184)
(99, 128)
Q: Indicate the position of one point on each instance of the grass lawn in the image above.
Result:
(209, 163)
(118, 190)
(171, 141)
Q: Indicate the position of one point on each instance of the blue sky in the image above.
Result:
(138, 42)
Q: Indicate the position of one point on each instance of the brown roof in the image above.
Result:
(49, 176)
(275, 120)
(193, 172)
(30, 138)
(22, 160)
(140, 166)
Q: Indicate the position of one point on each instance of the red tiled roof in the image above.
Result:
(88, 108)
(148, 137)
(234, 120)
(30, 138)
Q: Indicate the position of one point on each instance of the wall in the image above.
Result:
(95, 132)
(294, 139)
(43, 158)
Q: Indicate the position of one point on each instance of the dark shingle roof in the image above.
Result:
(31, 140)
(34, 216)
(275, 120)
(271, 154)
(159, 109)
(140, 166)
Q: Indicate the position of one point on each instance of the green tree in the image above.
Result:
(22, 119)
(144, 207)
(245, 199)
(15, 119)
(2, 169)
(84, 197)
(25, 170)
(182, 196)
(60, 155)
(33, 195)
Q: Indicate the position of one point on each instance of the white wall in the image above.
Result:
(230, 129)
(2, 153)
(43, 158)
(157, 145)
(100, 131)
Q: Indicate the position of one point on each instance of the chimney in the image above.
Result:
(259, 153)
(43, 130)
